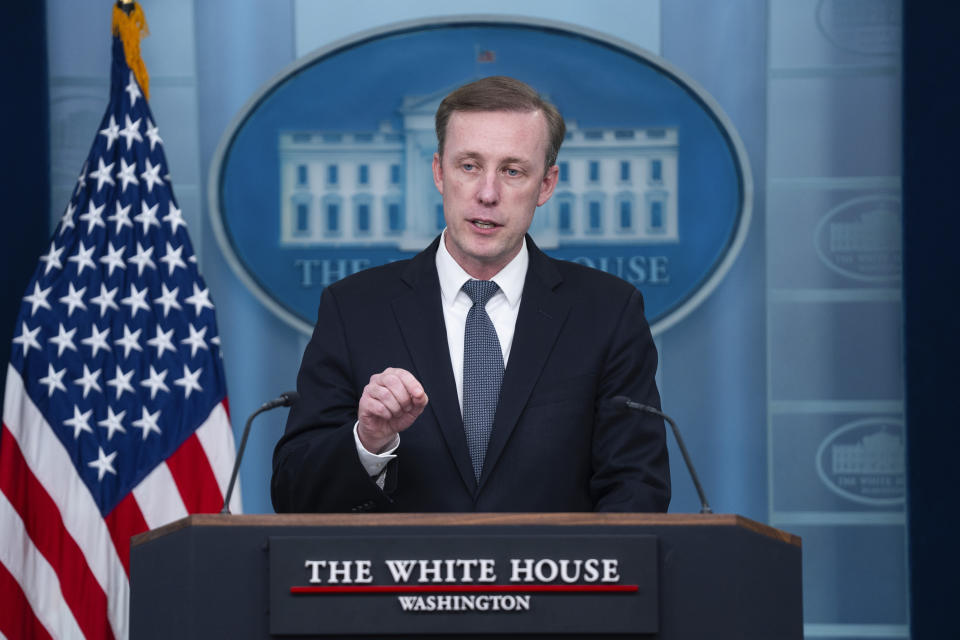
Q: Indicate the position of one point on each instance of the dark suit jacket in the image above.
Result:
(556, 445)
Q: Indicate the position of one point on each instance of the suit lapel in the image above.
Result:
(420, 316)
(542, 314)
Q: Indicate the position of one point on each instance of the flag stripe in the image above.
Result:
(216, 436)
(191, 472)
(43, 524)
(35, 575)
(16, 615)
(123, 522)
(158, 498)
(54, 470)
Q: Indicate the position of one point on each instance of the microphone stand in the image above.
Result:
(284, 400)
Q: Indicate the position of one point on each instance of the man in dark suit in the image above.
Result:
(418, 393)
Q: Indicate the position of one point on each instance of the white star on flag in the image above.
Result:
(121, 382)
(147, 216)
(148, 422)
(52, 258)
(93, 217)
(189, 381)
(130, 340)
(103, 173)
(133, 89)
(151, 175)
(142, 259)
(64, 340)
(136, 300)
(153, 134)
(53, 380)
(113, 423)
(114, 258)
(121, 217)
(97, 340)
(74, 299)
(131, 131)
(175, 218)
(172, 258)
(195, 340)
(79, 422)
(162, 342)
(88, 380)
(27, 339)
(105, 299)
(200, 300)
(82, 258)
(155, 382)
(103, 464)
(111, 132)
(168, 300)
(38, 299)
(126, 175)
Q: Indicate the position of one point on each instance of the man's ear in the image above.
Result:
(438, 172)
(548, 184)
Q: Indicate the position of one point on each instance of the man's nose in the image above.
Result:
(488, 192)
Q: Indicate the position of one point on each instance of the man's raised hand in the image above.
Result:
(390, 403)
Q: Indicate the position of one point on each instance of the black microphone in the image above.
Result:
(623, 402)
(283, 400)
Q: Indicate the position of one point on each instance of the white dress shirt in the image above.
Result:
(503, 308)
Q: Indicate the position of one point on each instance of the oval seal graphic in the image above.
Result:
(326, 171)
(861, 239)
(864, 461)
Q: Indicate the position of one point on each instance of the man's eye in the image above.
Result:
(513, 172)
(468, 166)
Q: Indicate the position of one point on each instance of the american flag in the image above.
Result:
(115, 410)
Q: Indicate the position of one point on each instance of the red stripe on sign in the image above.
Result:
(125, 521)
(191, 471)
(16, 615)
(43, 523)
(472, 588)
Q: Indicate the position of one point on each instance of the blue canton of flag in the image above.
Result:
(115, 414)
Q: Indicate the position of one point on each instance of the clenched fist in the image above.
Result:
(390, 403)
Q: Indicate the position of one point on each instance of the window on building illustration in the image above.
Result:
(363, 218)
(656, 171)
(593, 171)
(438, 212)
(332, 174)
(656, 222)
(302, 175)
(363, 174)
(565, 217)
(394, 174)
(625, 171)
(626, 214)
(594, 217)
(394, 217)
(303, 219)
(564, 172)
(333, 218)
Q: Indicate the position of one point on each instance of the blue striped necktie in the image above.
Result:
(482, 371)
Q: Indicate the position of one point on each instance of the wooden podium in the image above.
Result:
(261, 576)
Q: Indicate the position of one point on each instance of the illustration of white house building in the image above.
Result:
(879, 452)
(375, 188)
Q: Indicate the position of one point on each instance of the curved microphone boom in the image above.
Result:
(283, 400)
(623, 402)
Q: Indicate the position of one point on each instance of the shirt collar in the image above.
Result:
(509, 279)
